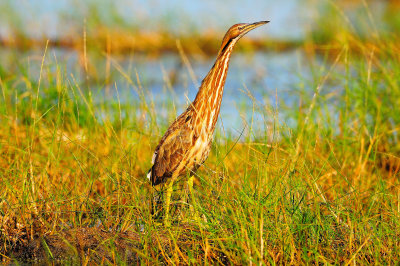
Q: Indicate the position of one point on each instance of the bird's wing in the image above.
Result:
(171, 151)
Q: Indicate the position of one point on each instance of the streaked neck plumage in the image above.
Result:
(208, 99)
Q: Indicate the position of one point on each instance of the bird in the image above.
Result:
(187, 142)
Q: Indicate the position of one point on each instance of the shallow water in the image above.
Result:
(263, 82)
(256, 84)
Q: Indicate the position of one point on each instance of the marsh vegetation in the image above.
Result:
(304, 167)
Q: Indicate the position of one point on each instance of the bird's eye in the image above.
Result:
(240, 27)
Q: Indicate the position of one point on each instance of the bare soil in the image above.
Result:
(95, 245)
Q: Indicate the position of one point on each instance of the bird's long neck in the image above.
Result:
(208, 99)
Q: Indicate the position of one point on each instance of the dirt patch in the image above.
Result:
(96, 245)
(78, 244)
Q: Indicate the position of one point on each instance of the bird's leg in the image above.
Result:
(156, 202)
(167, 202)
(193, 205)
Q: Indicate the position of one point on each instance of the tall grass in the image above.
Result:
(321, 189)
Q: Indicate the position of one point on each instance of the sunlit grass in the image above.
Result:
(323, 188)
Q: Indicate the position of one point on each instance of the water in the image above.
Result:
(258, 80)
(274, 80)
(266, 80)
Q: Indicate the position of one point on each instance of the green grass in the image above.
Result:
(324, 190)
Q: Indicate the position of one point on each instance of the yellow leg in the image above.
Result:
(193, 205)
(168, 202)
(156, 201)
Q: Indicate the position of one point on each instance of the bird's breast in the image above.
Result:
(201, 147)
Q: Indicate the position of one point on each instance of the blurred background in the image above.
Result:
(292, 19)
(168, 46)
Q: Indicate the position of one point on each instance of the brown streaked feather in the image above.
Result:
(172, 148)
(186, 144)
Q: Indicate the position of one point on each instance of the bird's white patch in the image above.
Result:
(149, 174)
(153, 158)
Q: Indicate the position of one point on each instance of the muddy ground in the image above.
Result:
(95, 245)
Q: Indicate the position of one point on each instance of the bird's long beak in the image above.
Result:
(254, 25)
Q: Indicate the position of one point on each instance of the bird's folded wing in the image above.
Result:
(171, 152)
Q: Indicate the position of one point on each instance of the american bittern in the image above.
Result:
(187, 142)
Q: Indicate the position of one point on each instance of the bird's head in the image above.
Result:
(237, 31)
